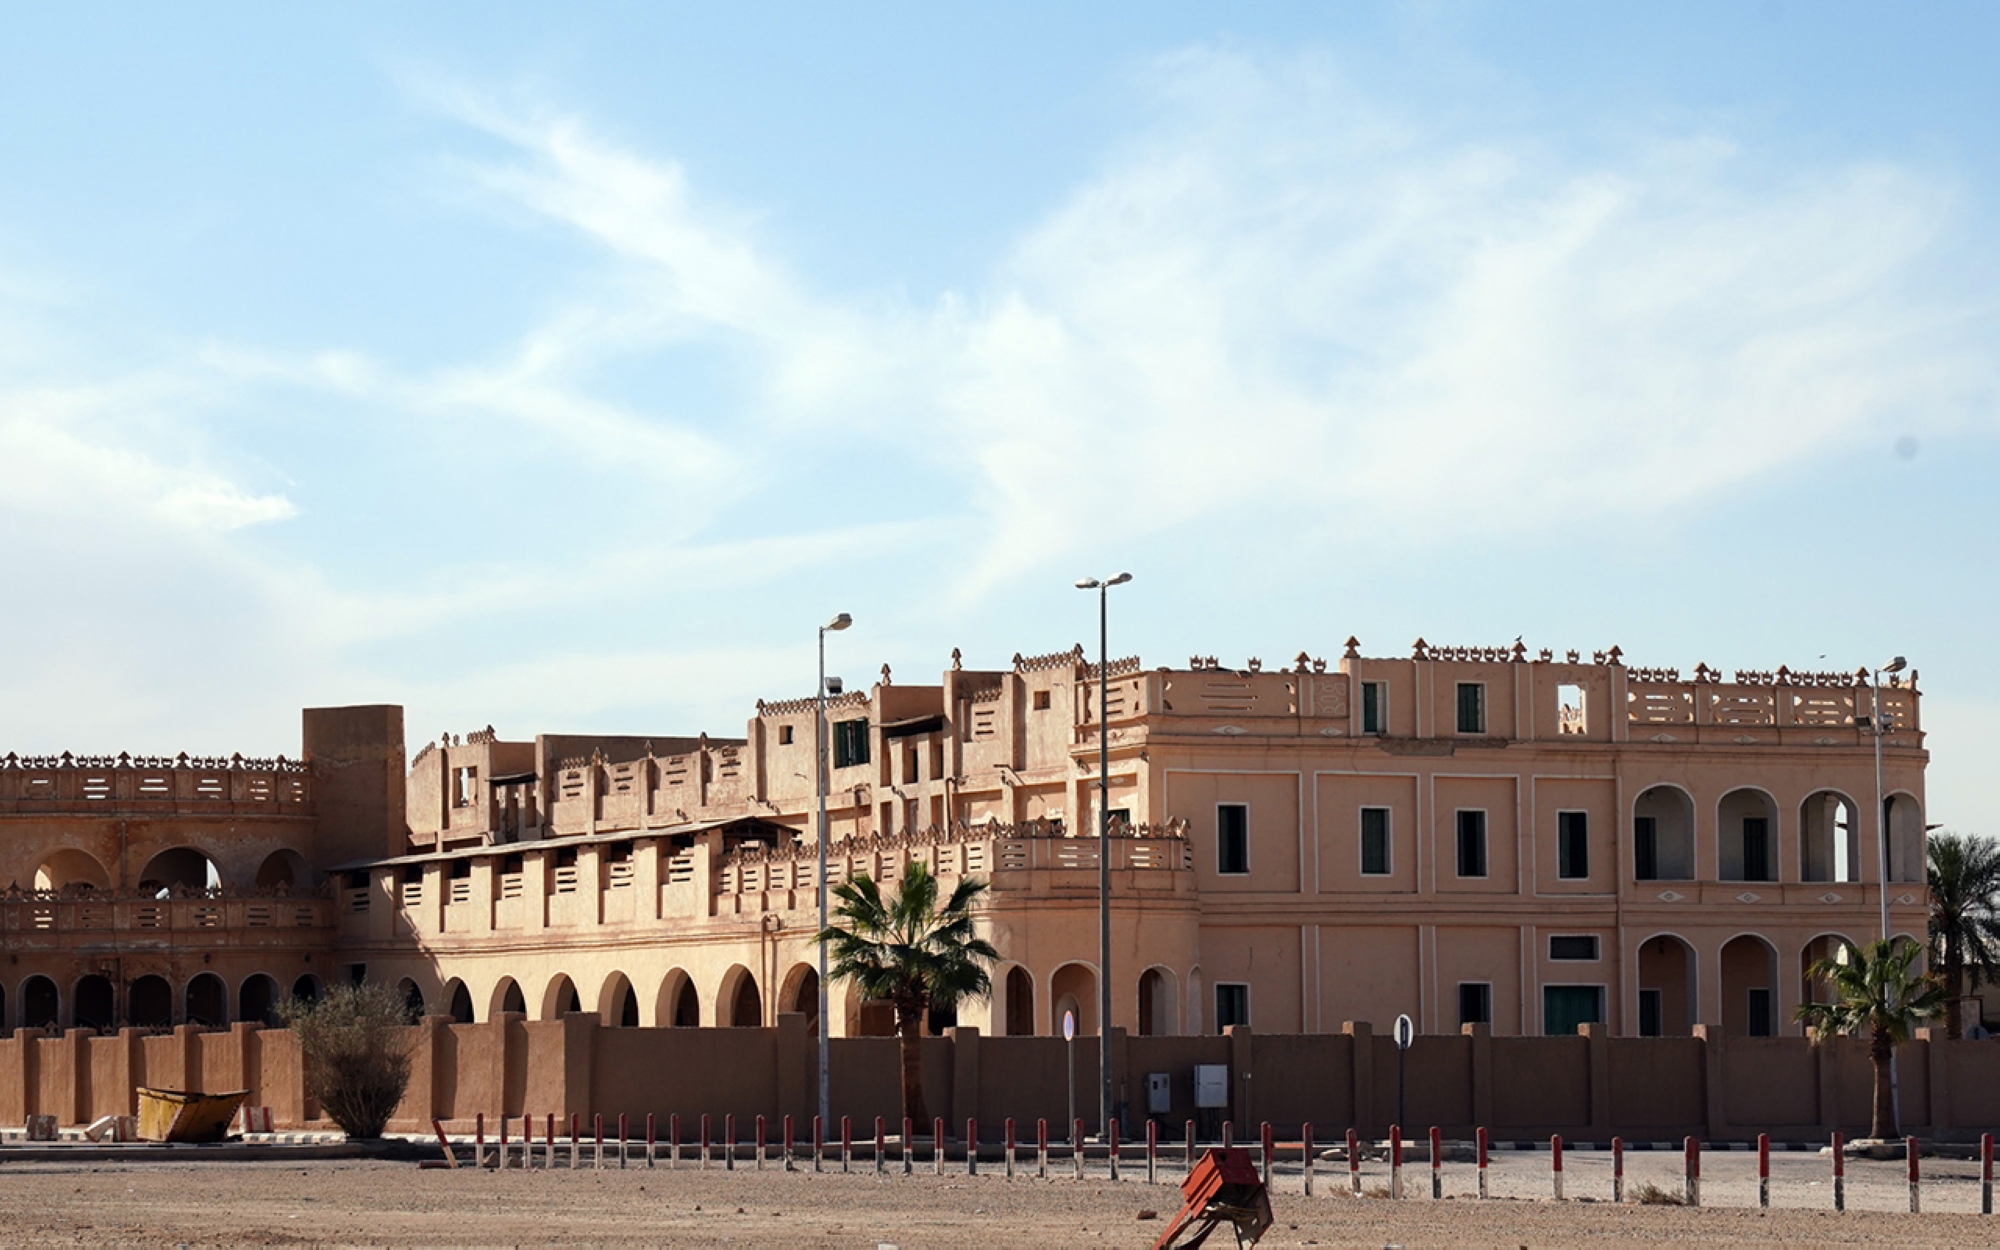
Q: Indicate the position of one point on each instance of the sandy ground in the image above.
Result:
(380, 1203)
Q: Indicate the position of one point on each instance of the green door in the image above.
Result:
(1566, 1006)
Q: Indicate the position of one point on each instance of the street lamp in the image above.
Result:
(819, 792)
(1876, 728)
(1103, 589)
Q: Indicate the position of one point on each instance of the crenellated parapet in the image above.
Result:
(153, 784)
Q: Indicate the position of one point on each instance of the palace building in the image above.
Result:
(1464, 835)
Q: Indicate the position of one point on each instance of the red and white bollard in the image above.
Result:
(1153, 1154)
(729, 1142)
(1187, 1151)
(707, 1129)
(789, 1138)
(597, 1130)
(1763, 1170)
(1111, 1145)
(881, 1142)
(1264, 1140)
(1986, 1173)
(551, 1138)
(846, 1142)
(479, 1140)
(763, 1139)
(1041, 1147)
(575, 1140)
(1306, 1152)
(1839, 1172)
(1008, 1134)
(624, 1137)
(1076, 1146)
(1556, 1165)
(1395, 1161)
(1354, 1161)
(1480, 1137)
(503, 1140)
(819, 1142)
(652, 1140)
(1617, 1169)
(1437, 1165)
(1911, 1151)
(527, 1141)
(971, 1147)
(674, 1139)
(909, 1142)
(937, 1146)
(1692, 1151)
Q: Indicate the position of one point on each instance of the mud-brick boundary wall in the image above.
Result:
(1587, 1087)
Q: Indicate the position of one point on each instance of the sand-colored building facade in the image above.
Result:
(1467, 835)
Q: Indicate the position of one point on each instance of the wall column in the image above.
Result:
(1482, 1071)
(1363, 1035)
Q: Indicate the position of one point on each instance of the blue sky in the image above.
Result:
(562, 370)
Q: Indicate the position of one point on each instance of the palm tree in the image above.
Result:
(912, 954)
(1874, 992)
(1965, 917)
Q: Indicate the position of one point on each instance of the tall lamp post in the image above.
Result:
(1877, 729)
(1103, 589)
(819, 793)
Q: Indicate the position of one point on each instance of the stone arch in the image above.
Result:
(1074, 988)
(618, 1002)
(507, 996)
(179, 868)
(1746, 823)
(149, 1002)
(1663, 834)
(1157, 1008)
(308, 989)
(457, 1001)
(96, 1003)
(73, 870)
(413, 997)
(559, 998)
(257, 999)
(284, 868)
(1017, 1002)
(1826, 946)
(738, 1003)
(800, 993)
(1749, 966)
(1194, 1002)
(1829, 837)
(677, 1006)
(1668, 986)
(207, 1001)
(1905, 822)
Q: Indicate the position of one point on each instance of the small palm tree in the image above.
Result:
(912, 954)
(1875, 993)
(1965, 917)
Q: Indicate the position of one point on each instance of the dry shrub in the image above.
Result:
(1652, 1195)
(356, 1046)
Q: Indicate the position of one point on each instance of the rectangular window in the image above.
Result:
(1232, 839)
(463, 782)
(1569, 710)
(1374, 841)
(1566, 1006)
(1232, 1005)
(1471, 707)
(1645, 849)
(784, 735)
(1475, 1002)
(1581, 946)
(1649, 1014)
(1572, 845)
(1041, 700)
(850, 743)
(1472, 844)
(1761, 1021)
(1374, 707)
(913, 765)
(1756, 848)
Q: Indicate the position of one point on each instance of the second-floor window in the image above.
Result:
(850, 743)
(463, 782)
(1471, 707)
(1572, 845)
(1374, 707)
(1232, 838)
(1475, 1002)
(1232, 1005)
(1374, 841)
(1472, 844)
(1645, 848)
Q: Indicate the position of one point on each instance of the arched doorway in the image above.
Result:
(413, 998)
(73, 870)
(801, 994)
(1829, 838)
(207, 1001)
(150, 1003)
(284, 869)
(1747, 827)
(617, 1004)
(1073, 990)
(459, 1001)
(1156, 1003)
(182, 869)
(741, 1003)
(1749, 987)
(1666, 987)
(1020, 1002)
(41, 1003)
(257, 999)
(560, 998)
(307, 989)
(507, 997)
(1906, 838)
(1826, 946)
(1663, 835)
(677, 1005)
(95, 1003)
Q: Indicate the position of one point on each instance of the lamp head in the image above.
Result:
(1119, 580)
(839, 622)
(1087, 583)
(1896, 665)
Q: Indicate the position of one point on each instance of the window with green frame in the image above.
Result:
(850, 743)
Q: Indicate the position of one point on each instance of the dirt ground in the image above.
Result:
(381, 1203)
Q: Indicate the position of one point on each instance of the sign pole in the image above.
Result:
(1405, 1034)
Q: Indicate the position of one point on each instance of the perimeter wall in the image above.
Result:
(1587, 1087)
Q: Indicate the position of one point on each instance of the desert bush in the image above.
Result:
(355, 1043)
(1652, 1195)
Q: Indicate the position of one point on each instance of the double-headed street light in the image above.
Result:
(819, 791)
(1876, 729)
(1103, 589)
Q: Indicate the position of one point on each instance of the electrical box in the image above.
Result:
(1211, 1086)
(1159, 1093)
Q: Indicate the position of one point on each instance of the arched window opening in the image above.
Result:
(1020, 1003)
(258, 1000)
(72, 870)
(180, 870)
(95, 1007)
(1829, 838)
(744, 1004)
(1156, 1003)
(413, 998)
(461, 1003)
(1663, 835)
(1749, 988)
(284, 869)
(1666, 987)
(207, 1001)
(1748, 825)
(307, 989)
(1073, 989)
(150, 1003)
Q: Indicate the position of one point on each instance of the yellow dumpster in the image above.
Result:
(175, 1115)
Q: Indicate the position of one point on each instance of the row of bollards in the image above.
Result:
(729, 1150)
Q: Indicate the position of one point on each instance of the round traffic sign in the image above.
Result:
(1069, 1026)
(1405, 1032)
